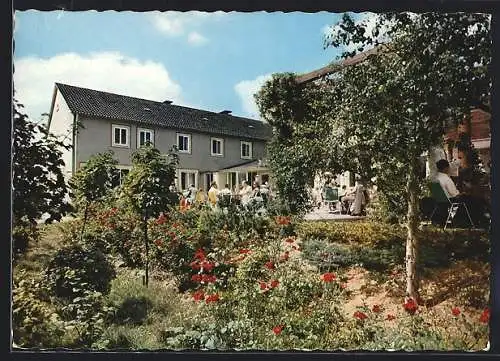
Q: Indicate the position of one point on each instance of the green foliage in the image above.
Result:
(39, 186)
(23, 234)
(75, 270)
(93, 181)
(34, 320)
(147, 184)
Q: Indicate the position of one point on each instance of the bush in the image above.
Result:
(23, 234)
(75, 269)
(34, 320)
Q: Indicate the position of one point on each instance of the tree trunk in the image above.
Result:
(411, 239)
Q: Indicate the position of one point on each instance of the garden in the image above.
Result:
(129, 269)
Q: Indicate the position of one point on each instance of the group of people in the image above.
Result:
(240, 196)
(352, 200)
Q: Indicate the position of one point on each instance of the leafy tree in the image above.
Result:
(401, 102)
(93, 181)
(38, 182)
(146, 187)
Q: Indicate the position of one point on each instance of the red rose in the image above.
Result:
(282, 221)
(360, 315)
(269, 265)
(207, 266)
(390, 317)
(263, 285)
(328, 277)
(285, 256)
(212, 298)
(274, 283)
(195, 265)
(485, 316)
(410, 306)
(245, 251)
(161, 219)
(196, 278)
(199, 295)
(208, 278)
(199, 254)
(455, 311)
(277, 329)
(376, 308)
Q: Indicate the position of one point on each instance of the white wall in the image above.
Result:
(61, 124)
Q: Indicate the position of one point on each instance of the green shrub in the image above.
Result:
(34, 320)
(75, 269)
(23, 235)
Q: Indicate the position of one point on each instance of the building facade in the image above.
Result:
(211, 146)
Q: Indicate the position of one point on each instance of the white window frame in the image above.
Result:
(121, 127)
(187, 171)
(250, 146)
(189, 142)
(145, 130)
(212, 140)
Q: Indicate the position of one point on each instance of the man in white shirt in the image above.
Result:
(443, 168)
(477, 207)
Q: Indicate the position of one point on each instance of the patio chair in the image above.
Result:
(442, 199)
(332, 198)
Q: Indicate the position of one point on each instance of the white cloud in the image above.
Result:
(246, 90)
(34, 78)
(176, 23)
(195, 38)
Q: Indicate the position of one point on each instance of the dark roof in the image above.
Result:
(98, 104)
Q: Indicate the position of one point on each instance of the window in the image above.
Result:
(145, 136)
(119, 176)
(217, 147)
(186, 179)
(184, 143)
(246, 150)
(120, 136)
(209, 178)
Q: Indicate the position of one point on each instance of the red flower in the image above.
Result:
(390, 317)
(208, 278)
(274, 283)
(159, 242)
(195, 265)
(199, 254)
(196, 278)
(283, 221)
(328, 277)
(285, 256)
(289, 240)
(161, 219)
(277, 329)
(455, 311)
(172, 235)
(199, 295)
(212, 298)
(245, 251)
(263, 285)
(175, 225)
(360, 315)
(485, 316)
(269, 265)
(410, 306)
(376, 308)
(207, 266)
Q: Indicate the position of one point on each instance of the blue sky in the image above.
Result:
(213, 61)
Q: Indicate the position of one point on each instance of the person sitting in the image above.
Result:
(476, 206)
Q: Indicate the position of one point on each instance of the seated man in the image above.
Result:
(476, 206)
